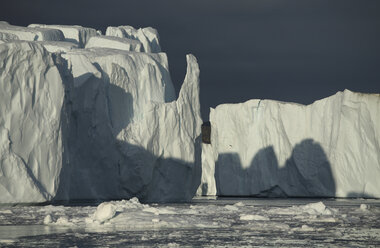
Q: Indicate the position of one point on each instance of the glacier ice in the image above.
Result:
(32, 33)
(6, 37)
(115, 43)
(31, 95)
(95, 123)
(104, 212)
(58, 46)
(147, 135)
(271, 148)
(91, 116)
(76, 34)
(147, 36)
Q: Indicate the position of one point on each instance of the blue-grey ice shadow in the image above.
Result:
(98, 166)
(120, 107)
(306, 173)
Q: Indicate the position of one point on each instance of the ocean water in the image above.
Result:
(226, 222)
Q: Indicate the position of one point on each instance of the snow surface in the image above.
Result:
(147, 36)
(31, 33)
(95, 123)
(6, 37)
(115, 43)
(76, 34)
(58, 46)
(271, 148)
(223, 222)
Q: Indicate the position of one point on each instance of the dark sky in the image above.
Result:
(287, 50)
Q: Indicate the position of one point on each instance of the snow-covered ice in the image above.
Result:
(76, 34)
(95, 123)
(252, 217)
(104, 212)
(271, 148)
(30, 33)
(6, 37)
(147, 36)
(115, 43)
(58, 46)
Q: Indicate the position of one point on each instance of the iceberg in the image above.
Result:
(91, 116)
(330, 148)
(95, 123)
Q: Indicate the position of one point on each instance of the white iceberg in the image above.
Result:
(104, 123)
(96, 123)
(270, 148)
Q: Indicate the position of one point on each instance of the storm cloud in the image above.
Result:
(297, 51)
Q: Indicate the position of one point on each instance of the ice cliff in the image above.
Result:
(271, 148)
(31, 96)
(87, 116)
(91, 116)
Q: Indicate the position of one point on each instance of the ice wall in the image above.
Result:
(128, 136)
(95, 123)
(31, 99)
(271, 148)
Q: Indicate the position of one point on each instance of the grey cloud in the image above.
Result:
(290, 50)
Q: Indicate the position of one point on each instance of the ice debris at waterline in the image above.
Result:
(271, 148)
(221, 223)
(88, 116)
(131, 214)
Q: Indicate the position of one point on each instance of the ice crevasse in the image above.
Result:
(82, 121)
